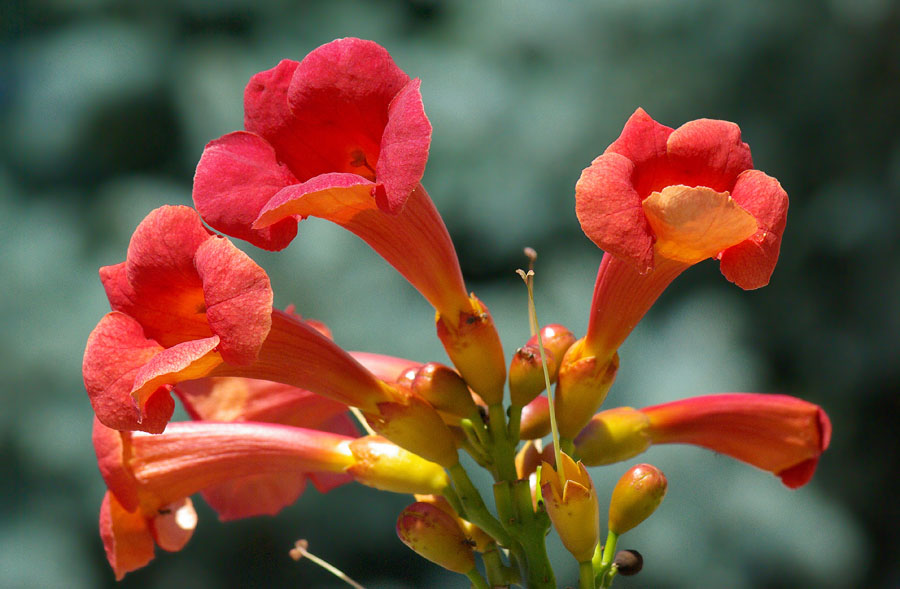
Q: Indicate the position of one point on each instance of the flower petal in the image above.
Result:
(115, 352)
(236, 176)
(174, 524)
(247, 399)
(693, 224)
(643, 141)
(339, 95)
(750, 264)
(126, 537)
(238, 299)
(609, 209)
(266, 110)
(165, 295)
(185, 361)
(709, 153)
(404, 149)
(255, 495)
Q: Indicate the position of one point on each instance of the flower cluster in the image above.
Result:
(342, 135)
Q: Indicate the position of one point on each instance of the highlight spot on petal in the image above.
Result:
(692, 224)
(174, 525)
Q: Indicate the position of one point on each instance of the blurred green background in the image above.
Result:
(105, 107)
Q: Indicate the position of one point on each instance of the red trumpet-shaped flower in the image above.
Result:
(341, 135)
(188, 304)
(151, 477)
(659, 200)
(783, 435)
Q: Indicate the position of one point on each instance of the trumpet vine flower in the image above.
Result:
(150, 478)
(657, 201)
(342, 135)
(781, 434)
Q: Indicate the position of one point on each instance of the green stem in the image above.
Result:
(473, 504)
(515, 423)
(476, 579)
(452, 498)
(585, 575)
(497, 572)
(502, 447)
(604, 574)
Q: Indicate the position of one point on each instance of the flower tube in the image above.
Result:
(781, 434)
(151, 477)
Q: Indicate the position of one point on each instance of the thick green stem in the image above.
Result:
(502, 448)
(498, 574)
(473, 504)
(585, 575)
(515, 423)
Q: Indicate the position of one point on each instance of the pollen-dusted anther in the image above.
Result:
(628, 562)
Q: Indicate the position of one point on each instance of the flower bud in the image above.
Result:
(557, 339)
(635, 497)
(532, 455)
(445, 389)
(613, 435)
(435, 535)
(382, 465)
(584, 381)
(416, 426)
(571, 503)
(478, 538)
(473, 344)
(535, 421)
(526, 374)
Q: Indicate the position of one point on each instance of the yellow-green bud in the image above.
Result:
(445, 389)
(613, 435)
(635, 497)
(526, 374)
(557, 339)
(435, 535)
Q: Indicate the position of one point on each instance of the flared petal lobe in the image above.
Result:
(184, 300)
(345, 109)
(703, 157)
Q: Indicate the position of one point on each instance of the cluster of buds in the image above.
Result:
(342, 135)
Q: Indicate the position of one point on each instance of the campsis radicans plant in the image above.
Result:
(342, 135)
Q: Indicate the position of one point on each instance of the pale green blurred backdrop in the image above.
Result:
(105, 107)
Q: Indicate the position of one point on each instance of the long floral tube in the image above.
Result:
(150, 477)
(781, 434)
